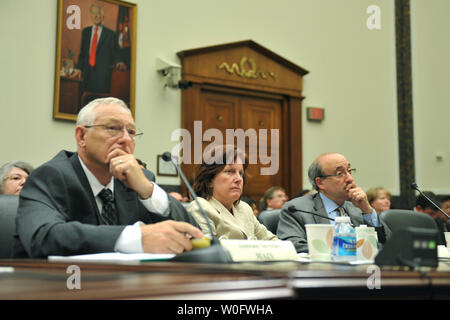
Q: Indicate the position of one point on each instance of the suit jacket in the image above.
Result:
(292, 224)
(58, 214)
(98, 78)
(242, 224)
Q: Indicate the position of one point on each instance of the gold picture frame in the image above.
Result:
(80, 78)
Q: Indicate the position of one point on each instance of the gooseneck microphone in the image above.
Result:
(215, 253)
(415, 187)
(294, 209)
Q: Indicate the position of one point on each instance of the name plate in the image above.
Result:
(259, 250)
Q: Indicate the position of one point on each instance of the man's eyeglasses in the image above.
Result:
(340, 174)
(117, 130)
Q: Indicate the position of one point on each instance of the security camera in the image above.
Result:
(170, 71)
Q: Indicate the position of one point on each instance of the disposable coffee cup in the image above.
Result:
(320, 241)
(366, 243)
(447, 239)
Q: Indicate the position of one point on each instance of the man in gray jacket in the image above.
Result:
(332, 176)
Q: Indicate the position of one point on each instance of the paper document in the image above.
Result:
(113, 257)
(443, 252)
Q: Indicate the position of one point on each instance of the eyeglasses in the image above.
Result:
(340, 174)
(117, 130)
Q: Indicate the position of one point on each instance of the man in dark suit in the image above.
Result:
(331, 175)
(99, 54)
(62, 210)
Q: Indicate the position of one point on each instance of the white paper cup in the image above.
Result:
(320, 241)
(447, 239)
(366, 243)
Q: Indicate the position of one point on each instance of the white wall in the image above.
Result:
(352, 76)
(431, 93)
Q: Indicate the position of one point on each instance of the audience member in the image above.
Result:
(332, 176)
(219, 183)
(251, 202)
(445, 204)
(99, 199)
(273, 198)
(13, 175)
(271, 204)
(176, 195)
(379, 198)
(425, 206)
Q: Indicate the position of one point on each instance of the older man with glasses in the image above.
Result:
(332, 176)
(99, 199)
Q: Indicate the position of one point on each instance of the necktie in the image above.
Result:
(108, 214)
(93, 51)
(342, 211)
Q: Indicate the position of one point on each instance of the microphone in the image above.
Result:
(294, 209)
(215, 253)
(415, 187)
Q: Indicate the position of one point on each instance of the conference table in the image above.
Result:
(36, 279)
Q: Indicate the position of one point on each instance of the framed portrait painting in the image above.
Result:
(95, 57)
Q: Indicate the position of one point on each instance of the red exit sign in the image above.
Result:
(315, 114)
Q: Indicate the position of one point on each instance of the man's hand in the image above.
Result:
(124, 166)
(121, 66)
(359, 198)
(168, 237)
(77, 74)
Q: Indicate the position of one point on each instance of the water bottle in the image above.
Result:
(344, 241)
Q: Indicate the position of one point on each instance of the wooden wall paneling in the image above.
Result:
(265, 88)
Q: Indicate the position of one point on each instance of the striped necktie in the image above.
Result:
(108, 214)
(342, 211)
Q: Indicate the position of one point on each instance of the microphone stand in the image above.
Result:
(415, 187)
(215, 253)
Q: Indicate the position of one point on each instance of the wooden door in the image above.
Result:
(263, 116)
(250, 121)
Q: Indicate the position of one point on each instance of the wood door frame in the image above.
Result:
(199, 68)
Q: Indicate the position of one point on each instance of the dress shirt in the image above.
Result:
(332, 210)
(99, 33)
(130, 240)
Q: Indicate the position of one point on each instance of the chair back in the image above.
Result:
(270, 220)
(8, 212)
(397, 219)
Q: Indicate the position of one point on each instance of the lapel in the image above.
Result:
(102, 38)
(124, 198)
(319, 209)
(126, 203)
(228, 216)
(354, 213)
(82, 179)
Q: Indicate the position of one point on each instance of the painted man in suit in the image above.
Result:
(99, 54)
(62, 210)
(331, 175)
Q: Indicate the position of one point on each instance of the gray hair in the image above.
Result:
(7, 167)
(314, 171)
(87, 116)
